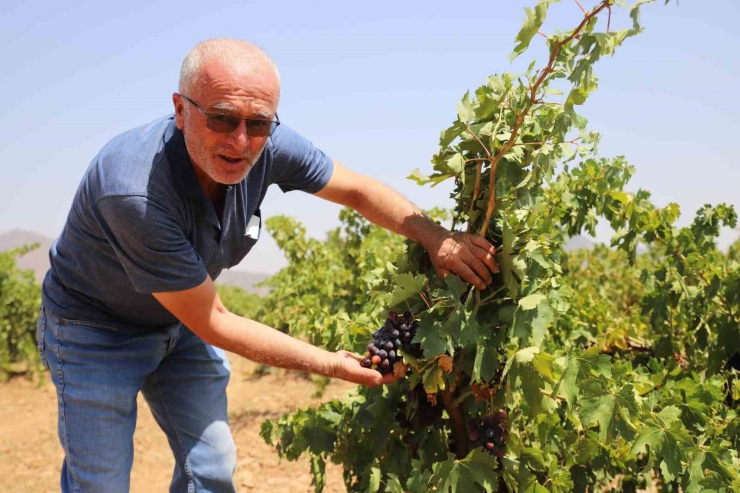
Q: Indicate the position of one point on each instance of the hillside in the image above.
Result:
(38, 260)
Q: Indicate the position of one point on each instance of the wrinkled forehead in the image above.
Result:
(221, 76)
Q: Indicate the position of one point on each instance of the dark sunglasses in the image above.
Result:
(225, 123)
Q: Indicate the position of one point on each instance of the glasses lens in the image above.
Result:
(222, 123)
(259, 128)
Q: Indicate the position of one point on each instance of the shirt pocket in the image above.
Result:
(246, 241)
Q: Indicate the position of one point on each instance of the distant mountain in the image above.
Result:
(578, 242)
(245, 280)
(38, 261)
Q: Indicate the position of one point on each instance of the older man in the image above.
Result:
(129, 303)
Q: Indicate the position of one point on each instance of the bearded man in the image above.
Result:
(129, 303)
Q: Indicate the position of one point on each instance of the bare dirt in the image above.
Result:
(31, 456)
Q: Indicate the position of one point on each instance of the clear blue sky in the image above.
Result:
(372, 83)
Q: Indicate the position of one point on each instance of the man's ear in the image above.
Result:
(179, 110)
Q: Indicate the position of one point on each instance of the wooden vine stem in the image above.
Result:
(520, 119)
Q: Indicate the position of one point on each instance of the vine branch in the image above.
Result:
(520, 119)
(458, 425)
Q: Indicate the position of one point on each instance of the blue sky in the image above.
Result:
(372, 83)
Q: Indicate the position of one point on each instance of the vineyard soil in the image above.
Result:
(30, 454)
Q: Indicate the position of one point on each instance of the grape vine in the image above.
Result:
(574, 371)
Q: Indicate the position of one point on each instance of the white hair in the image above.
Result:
(234, 52)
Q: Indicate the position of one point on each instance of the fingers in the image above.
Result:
(483, 243)
(478, 267)
(468, 275)
(486, 257)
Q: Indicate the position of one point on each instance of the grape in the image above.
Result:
(490, 432)
(366, 363)
(396, 333)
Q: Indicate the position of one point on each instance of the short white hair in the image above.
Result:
(233, 52)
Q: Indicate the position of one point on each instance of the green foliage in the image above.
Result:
(326, 281)
(617, 365)
(20, 299)
(239, 301)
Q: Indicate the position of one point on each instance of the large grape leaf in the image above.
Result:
(462, 476)
(671, 443)
(407, 286)
(612, 411)
(580, 367)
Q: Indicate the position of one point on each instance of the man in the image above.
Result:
(129, 303)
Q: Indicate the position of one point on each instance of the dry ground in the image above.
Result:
(31, 457)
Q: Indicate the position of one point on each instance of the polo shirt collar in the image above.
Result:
(182, 167)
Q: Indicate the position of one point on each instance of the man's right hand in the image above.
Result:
(347, 367)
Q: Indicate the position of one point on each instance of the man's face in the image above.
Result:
(226, 158)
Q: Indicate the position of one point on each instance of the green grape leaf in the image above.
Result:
(530, 302)
(375, 476)
(677, 444)
(612, 411)
(506, 261)
(318, 473)
(463, 476)
(531, 25)
(393, 485)
(407, 286)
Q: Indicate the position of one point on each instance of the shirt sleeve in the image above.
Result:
(297, 164)
(150, 244)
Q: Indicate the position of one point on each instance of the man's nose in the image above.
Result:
(239, 136)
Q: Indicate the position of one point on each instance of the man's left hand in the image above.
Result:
(468, 256)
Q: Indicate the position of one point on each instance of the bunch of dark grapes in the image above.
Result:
(397, 333)
(424, 413)
(491, 432)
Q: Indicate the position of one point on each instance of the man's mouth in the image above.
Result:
(232, 160)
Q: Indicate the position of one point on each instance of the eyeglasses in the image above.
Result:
(225, 123)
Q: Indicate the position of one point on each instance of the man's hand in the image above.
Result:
(347, 367)
(468, 256)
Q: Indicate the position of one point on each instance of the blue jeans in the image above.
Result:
(98, 373)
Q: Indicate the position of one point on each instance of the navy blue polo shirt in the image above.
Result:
(140, 224)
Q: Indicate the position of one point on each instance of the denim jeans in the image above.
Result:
(98, 373)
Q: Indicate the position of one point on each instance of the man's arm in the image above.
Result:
(201, 310)
(469, 256)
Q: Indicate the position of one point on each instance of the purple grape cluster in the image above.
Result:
(490, 432)
(397, 333)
